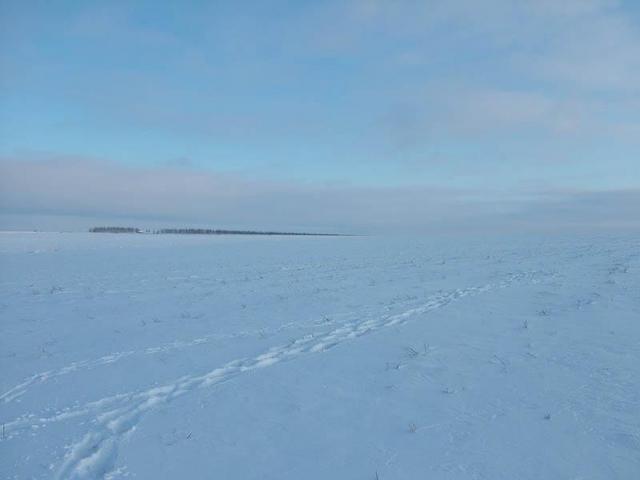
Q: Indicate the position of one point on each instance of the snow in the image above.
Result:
(135, 356)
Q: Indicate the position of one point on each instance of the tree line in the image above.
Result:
(202, 231)
(115, 230)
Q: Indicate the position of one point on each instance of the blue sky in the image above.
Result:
(494, 110)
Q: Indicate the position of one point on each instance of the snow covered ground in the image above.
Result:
(153, 357)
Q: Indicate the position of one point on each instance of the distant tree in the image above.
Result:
(200, 231)
(114, 230)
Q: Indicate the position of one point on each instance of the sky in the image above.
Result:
(355, 116)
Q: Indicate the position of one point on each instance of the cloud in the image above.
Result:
(68, 186)
(609, 210)
(80, 186)
(238, 73)
(560, 70)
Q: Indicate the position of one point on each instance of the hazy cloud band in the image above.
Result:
(103, 190)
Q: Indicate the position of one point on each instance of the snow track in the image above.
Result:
(20, 389)
(117, 416)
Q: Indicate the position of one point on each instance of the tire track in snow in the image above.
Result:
(117, 416)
